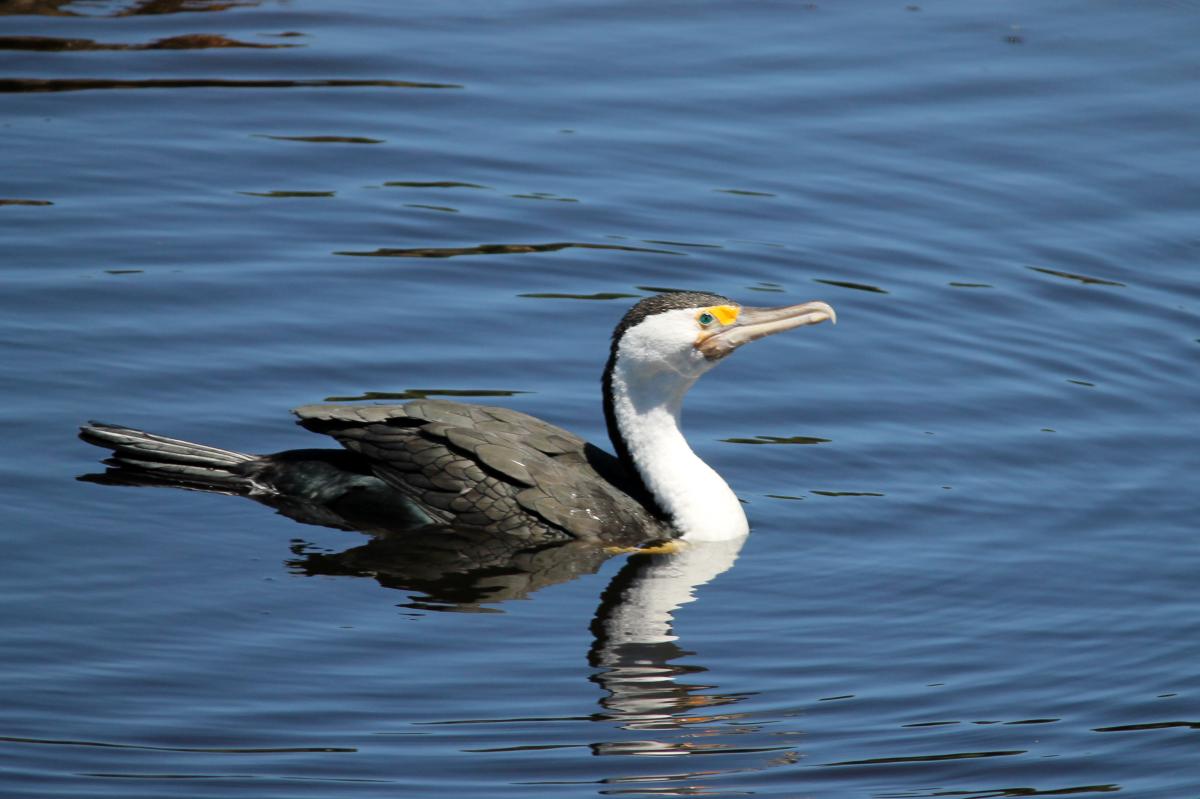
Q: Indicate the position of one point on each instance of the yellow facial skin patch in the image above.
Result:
(726, 314)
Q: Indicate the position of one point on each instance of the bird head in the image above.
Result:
(689, 332)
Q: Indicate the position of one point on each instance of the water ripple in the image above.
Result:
(190, 41)
(220, 750)
(19, 85)
(495, 249)
(881, 761)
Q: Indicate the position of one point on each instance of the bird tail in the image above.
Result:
(141, 458)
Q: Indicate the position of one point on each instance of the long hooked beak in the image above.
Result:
(755, 323)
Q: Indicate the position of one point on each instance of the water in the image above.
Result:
(980, 581)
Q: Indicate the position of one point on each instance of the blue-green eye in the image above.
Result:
(706, 319)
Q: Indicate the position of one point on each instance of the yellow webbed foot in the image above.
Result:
(665, 546)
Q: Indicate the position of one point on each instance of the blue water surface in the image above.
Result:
(974, 559)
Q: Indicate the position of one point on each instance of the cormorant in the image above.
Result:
(501, 473)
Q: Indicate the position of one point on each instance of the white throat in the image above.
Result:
(647, 403)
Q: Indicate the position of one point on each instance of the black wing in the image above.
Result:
(493, 468)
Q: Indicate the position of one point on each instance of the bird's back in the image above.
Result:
(494, 469)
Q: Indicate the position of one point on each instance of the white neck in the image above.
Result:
(647, 406)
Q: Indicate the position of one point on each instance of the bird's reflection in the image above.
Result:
(635, 647)
(635, 652)
(454, 570)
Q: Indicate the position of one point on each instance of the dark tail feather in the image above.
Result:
(141, 458)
